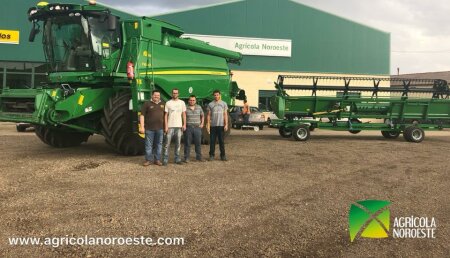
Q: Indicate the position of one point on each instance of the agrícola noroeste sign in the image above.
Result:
(248, 46)
(9, 36)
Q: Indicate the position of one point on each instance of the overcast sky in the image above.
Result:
(420, 31)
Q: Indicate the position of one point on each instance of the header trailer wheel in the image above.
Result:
(414, 134)
(301, 133)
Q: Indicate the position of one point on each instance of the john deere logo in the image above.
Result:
(369, 219)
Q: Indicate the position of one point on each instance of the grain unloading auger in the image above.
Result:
(392, 106)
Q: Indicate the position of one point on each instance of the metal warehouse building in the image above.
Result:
(275, 37)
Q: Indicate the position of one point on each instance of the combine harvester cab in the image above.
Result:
(392, 106)
(103, 68)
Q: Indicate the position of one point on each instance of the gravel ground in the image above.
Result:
(274, 197)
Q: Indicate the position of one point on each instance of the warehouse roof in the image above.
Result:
(234, 1)
(445, 75)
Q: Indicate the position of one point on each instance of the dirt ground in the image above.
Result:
(274, 197)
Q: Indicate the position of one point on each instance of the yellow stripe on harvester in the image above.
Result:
(186, 73)
(80, 100)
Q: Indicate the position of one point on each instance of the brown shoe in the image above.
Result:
(146, 163)
(158, 163)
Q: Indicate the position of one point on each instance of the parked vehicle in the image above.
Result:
(268, 114)
(257, 118)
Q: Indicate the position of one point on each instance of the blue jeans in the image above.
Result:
(193, 134)
(152, 138)
(174, 132)
(246, 119)
(219, 133)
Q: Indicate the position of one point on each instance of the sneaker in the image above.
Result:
(164, 163)
(224, 158)
(179, 163)
(158, 163)
(185, 161)
(146, 163)
(200, 160)
(211, 158)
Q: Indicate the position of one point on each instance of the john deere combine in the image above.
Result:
(104, 68)
(407, 106)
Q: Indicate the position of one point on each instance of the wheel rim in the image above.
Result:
(301, 133)
(416, 135)
(393, 134)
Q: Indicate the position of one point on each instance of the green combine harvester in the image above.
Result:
(102, 69)
(404, 106)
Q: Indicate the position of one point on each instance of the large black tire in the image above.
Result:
(355, 121)
(284, 132)
(60, 138)
(236, 126)
(301, 133)
(21, 128)
(390, 134)
(414, 134)
(120, 126)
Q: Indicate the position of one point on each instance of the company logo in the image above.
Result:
(9, 37)
(249, 46)
(369, 219)
(5, 36)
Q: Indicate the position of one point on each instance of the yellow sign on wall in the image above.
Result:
(9, 36)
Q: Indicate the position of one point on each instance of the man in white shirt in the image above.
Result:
(174, 125)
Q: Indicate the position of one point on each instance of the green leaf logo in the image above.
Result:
(369, 219)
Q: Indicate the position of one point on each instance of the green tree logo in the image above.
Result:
(369, 219)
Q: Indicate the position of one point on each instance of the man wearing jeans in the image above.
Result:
(194, 125)
(246, 113)
(218, 121)
(174, 125)
(151, 123)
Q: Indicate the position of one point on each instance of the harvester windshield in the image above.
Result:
(77, 43)
(66, 44)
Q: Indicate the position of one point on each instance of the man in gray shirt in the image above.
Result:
(218, 121)
(193, 133)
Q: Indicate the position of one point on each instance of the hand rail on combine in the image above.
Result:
(437, 87)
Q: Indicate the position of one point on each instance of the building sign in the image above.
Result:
(9, 36)
(249, 46)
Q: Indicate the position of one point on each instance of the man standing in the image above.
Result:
(194, 125)
(218, 121)
(174, 124)
(151, 123)
(246, 113)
